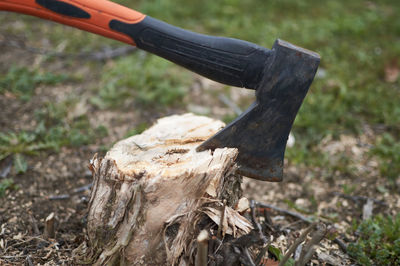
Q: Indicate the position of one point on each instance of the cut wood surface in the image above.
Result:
(153, 193)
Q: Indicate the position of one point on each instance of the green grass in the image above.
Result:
(146, 80)
(22, 81)
(137, 130)
(379, 241)
(52, 132)
(7, 184)
(388, 151)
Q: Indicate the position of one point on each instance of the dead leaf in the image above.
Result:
(392, 71)
(269, 262)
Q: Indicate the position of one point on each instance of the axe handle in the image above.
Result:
(226, 60)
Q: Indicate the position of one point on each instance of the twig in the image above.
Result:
(34, 225)
(223, 98)
(221, 232)
(109, 53)
(268, 221)
(59, 197)
(357, 199)
(202, 249)
(308, 249)
(246, 258)
(261, 255)
(24, 242)
(297, 242)
(74, 191)
(101, 55)
(341, 244)
(256, 223)
(29, 261)
(294, 214)
(82, 188)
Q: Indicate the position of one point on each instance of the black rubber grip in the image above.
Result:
(63, 8)
(226, 60)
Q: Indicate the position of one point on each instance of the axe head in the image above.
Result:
(261, 132)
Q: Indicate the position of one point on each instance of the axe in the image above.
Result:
(281, 76)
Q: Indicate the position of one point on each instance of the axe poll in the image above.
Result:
(281, 76)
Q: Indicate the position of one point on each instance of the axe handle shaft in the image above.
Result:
(226, 60)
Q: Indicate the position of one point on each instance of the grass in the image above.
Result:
(378, 242)
(137, 130)
(52, 132)
(7, 184)
(146, 80)
(22, 81)
(388, 151)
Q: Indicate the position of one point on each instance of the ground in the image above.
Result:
(60, 106)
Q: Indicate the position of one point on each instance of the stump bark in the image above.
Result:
(153, 193)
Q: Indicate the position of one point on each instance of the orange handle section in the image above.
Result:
(96, 18)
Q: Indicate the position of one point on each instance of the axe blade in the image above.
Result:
(261, 132)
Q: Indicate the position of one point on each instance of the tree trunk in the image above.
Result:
(153, 193)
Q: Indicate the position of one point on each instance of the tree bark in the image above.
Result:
(153, 193)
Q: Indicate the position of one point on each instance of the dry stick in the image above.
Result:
(49, 228)
(202, 249)
(297, 242)
(74, 191)
(268, 222)
(34, 225)
(59, 197)
(308, 250)
(29, 261)
(341, 244)
(82, 188)
(256, 224)
(294, 214)
(221, 232)
(261, 255)
(228, 102)
(104, 54)
(249, 261)
(357, 199)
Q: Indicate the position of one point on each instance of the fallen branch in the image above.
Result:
(309, 248)
(357, 199)
(101, 55)
(228, 102)
(341, 244)
(74, 191)
(296, 243)
(294, 214)
(29, 261)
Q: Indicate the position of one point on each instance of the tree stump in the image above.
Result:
(153, 194)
